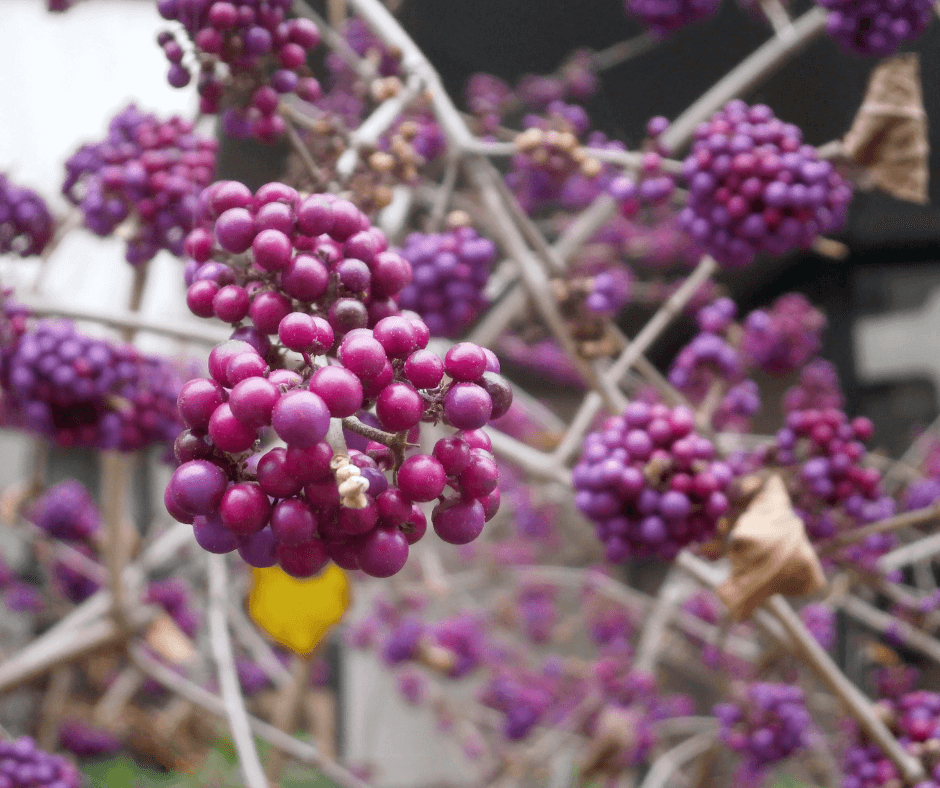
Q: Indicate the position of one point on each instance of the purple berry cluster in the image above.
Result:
(768, 723)
(785, 337)
(665, 17)
(610, 291)
(712, 363)
(490, 99)
(754, 187)
(818, 388)
(24, 765)
(314, 273)
(650, 484)
(26, 225)
(81, 391)
(257, 256)
(147, 172)
(248, 54)
(709, 356)
(876, 28)
(914, 719)
(551, 163)
(66, 511)
(831, 490)
(87, 741)
(450, 272)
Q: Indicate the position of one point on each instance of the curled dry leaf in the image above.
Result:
(889, 135)
(769, 553)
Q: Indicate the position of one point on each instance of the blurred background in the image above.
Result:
(62, 77)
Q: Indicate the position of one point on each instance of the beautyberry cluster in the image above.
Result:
(665, 17)
(755, 187)
(82, 391)
(249, 54)
(651, 484)
(24, 765)
(314, 273)
(876, 27)
(66, 511)
(26, 225)
(768, 723)
(818, 389)
(258, 256)
(833, 492)
(914, 719)
(450, 272)
(711, 365)
(785, 337)
(147, 171)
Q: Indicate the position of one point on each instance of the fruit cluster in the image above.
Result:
(755, 187)
(26, 225)
(82, 391)
(914, 719)
(450, 272)
(785, 337)
(315, 274)
(249, 55)
(24, 765)
(768, 723)
(665, 17)
(651, 484)
(876, 27)
(146, 172)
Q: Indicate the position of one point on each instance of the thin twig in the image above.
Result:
(915, 551)
(298, 144)
(248, 759)
(860, 706)
(115, 479)
(373, 127)
(204, 334)
(622, 51)
(885, 622)
(667, 764)
(898, 522)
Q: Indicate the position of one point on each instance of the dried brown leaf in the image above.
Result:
(889, 135)
(769, 553)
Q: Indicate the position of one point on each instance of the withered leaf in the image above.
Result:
(769, 553)
(889, 135)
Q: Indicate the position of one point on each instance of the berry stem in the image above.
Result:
(896, 523)
(248, 759)
(671, 761)
(203, 334)
(921, 550)
(114, 484)
(860, 706)
(884, 622)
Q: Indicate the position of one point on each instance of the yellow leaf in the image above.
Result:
(297, 613)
